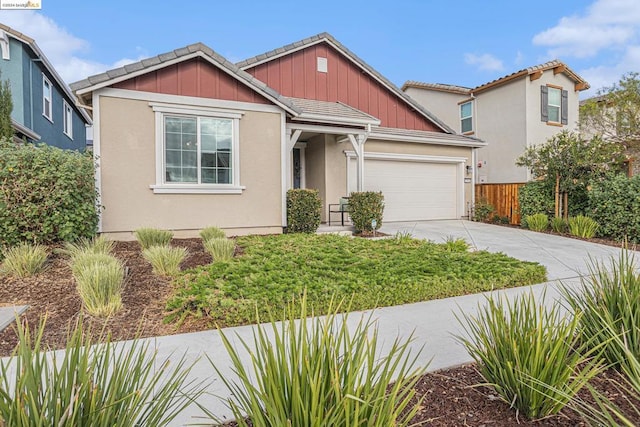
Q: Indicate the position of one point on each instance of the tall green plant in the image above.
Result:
(304, 208)
(148, 237)
(583, 226)
(615, 205)
(99, 281)
(23, 260)
(366, 207)
(46, 195)
(523, 350)
(318, 372)
(537, 222)
(6, 107)
(103, 385)
(609, 300)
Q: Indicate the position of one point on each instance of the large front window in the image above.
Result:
(198, 150)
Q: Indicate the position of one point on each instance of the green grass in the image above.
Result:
(165, 260)
(24, 260)
(273, 269)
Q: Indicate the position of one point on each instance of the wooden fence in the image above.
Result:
(503, 197)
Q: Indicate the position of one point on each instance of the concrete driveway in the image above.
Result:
(564, 257)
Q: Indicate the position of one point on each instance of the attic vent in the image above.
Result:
(322, 64)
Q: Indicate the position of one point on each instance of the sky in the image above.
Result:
(466, 42)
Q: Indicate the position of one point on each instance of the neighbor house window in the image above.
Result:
(554, 103)
(47, 94)
(196, 150)
(67, 119)
(466, 117)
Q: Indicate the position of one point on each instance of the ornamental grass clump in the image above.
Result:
(220, 249)
(609, 300)
(99, 245)
(148, 237)
(559, 224)
(212, 233)
(319, 372)
(165, 260)
(23, 260)
(99, 281)
(537, 222)
(532, 356)
(583, 226)
(91, 385)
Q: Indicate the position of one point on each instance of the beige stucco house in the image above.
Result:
(511, 113)
(187, 139)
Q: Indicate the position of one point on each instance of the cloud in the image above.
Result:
(606, 75)
(606, 24)
(485, 62)
(65, 51)
(519, 58)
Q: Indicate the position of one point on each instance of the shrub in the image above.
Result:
(364, 207)
(537, 222)
(500, 219)
(212, 233)
(615, 205)
(148, 237)
(483, 210)
(46, 195)
(319, 372)
(91, 385)
(530, 355)
(609, 298)
(98, 245)
(304, 209)
(164, 259)
(582, 226)
(99, 279)
(220, 249)
(24, 260)
(535, 197)
(559, 224)
(455, 245)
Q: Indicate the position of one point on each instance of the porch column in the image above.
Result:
(357, 141)
(292, 138)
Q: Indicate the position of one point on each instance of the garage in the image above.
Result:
(418, 188)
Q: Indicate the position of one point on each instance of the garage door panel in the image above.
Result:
(414, 190)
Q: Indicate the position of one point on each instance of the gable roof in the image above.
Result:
(328, 38)
(186, 53)
(335, 112)
(556, 65)
(8, 31)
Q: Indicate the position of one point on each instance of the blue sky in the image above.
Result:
(467, 42)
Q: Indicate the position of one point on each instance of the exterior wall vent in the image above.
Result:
(322, 64)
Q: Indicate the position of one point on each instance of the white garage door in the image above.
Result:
(415, 190)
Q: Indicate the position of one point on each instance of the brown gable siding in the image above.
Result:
(295, 75)
(195, 77)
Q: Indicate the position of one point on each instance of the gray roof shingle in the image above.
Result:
(336, 110)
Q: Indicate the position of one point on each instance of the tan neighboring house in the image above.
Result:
(187, 139)
(511, 113)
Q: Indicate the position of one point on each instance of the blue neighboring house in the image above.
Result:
(44, 109)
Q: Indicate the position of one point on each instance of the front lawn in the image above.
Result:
(369, 273)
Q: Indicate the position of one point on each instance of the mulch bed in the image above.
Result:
(452, 396)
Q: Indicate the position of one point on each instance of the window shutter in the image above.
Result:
(544, 103)
(565, 107)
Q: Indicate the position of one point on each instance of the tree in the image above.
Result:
(614, 114)
(568, 161)
(6, 107)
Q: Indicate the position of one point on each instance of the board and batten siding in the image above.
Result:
(296, 75)
(195, 77)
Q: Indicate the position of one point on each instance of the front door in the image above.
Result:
(297, 168)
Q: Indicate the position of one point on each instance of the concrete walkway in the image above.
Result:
(9, 314)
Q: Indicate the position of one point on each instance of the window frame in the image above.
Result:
(67, 119)
(45, 82)
(468, 132)
(161, 186)
(549, 105)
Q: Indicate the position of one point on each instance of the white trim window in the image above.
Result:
(197, 150)
(67, 119)
(47, 96)
(466, 117)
